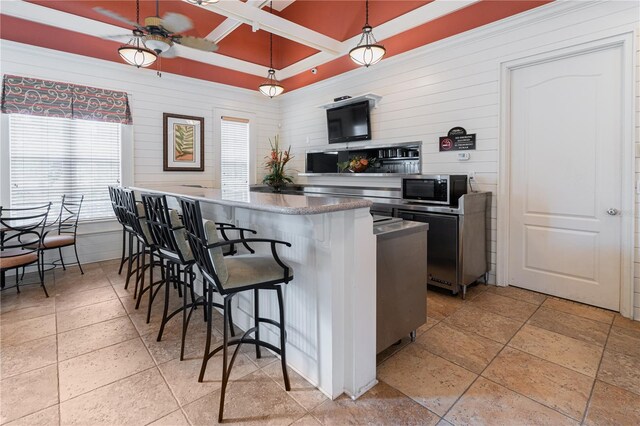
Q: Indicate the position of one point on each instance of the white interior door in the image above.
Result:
(565, 175)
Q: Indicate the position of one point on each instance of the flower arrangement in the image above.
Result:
(275, 165)
(357, 164)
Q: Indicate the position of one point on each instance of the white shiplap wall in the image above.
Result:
(150, 96)
(454, 82)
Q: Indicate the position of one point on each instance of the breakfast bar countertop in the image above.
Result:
(262, 201)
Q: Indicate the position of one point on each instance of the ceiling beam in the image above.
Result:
(274, 24)
(230, 24)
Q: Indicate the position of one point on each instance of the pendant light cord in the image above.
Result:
(138, 12)
(271, 39)
(366, 14)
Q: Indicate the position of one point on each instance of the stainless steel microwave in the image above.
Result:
(435, 189)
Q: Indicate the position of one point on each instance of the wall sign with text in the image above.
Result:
(457, 140)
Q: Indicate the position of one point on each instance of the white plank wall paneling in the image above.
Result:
(150, 96)
(425, 92)
(455, 82)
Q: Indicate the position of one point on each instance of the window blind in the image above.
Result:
(55, 156)
(235, 154)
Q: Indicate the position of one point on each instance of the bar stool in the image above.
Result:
(134, 219)
(168, 234)
(118, 209)
(230, 276)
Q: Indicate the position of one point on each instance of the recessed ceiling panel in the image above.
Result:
(251, 46)
(342, 20)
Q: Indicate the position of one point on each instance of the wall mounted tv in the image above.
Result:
(349, 123)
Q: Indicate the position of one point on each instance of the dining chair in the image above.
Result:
(21, 233)
(64, 230)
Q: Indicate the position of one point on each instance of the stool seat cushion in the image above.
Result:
(249, 269)
(143, 223)
(217, 257)
(17, 261)
(180, 235)
(53, 241)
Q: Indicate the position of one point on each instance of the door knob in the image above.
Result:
(612, 212)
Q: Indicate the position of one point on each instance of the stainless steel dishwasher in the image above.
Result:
(458, 241)
(401, 279)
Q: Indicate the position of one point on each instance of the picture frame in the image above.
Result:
(183, 143)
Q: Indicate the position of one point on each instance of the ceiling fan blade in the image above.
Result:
(176, 23)
(123, 38)
(117, 17)
(197, 43)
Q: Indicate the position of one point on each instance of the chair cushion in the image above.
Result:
(217, 258)
(180, 235)
(143, 223)
(248, 269)
(53, 241)
(17, 261)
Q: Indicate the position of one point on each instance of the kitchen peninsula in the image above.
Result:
(331, 302)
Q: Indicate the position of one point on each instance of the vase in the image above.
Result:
(276, 187)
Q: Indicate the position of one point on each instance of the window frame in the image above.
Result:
(218, 113)
(89, 226)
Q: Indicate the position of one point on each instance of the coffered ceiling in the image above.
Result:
(307, 33)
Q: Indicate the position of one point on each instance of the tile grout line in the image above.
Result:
(535, 356)
(55, 319)
(439, 356)
(156, 365)
(486, 366)
(595, 379)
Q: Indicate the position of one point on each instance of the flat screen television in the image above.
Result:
(349, 123)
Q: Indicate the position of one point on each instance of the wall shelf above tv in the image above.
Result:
(372, 98)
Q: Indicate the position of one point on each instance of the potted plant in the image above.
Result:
(276, 162)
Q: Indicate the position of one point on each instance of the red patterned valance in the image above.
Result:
(31, 96)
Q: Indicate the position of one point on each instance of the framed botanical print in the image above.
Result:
(183, 143)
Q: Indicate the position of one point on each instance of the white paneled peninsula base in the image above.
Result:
(330, 306)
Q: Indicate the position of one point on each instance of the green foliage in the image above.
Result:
(276, 164)
(183, 136)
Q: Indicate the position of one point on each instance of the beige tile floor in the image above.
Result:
(505, 356)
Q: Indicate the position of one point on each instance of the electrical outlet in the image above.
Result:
(471, 176)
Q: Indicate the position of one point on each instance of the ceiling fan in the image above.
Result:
(158, 34)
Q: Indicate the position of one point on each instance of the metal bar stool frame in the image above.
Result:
(200, 246)
(136, 223)
(178, 268)
(116, 203)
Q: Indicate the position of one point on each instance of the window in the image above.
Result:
(55, 156)
(234, 138)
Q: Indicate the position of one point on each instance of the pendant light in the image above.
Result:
(272, 86)
(136, 52)
(202, 2)
(368, 51)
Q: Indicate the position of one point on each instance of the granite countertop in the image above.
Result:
(262, 201)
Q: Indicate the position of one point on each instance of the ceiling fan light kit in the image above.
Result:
(157, 43)
(157, 36)
(368, 51)
(272, 86)
(136, 52)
